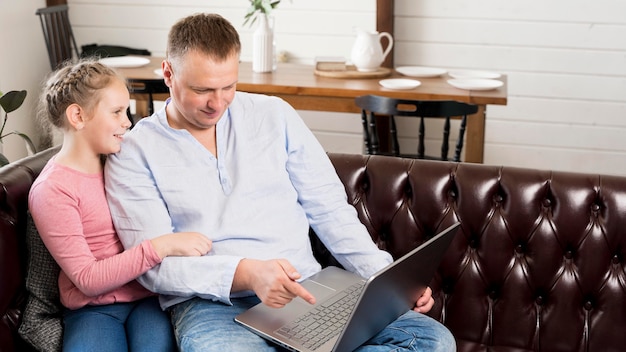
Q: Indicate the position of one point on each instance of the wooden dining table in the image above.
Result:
(299, 85)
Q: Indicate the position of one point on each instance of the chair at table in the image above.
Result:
(378, 109)
(61, 46)
(147, 88)
(57, 33)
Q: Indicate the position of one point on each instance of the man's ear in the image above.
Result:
(166, 69)
(75, 116)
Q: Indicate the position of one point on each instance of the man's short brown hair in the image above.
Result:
(207, 33)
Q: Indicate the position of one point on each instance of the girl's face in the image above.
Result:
(108, 121)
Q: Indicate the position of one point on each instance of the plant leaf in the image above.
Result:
(3, 160)
(250, 17)
(30, 146)
(12, 100)
(267, 8)
(259, 6)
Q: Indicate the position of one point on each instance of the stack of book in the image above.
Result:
(330, 63)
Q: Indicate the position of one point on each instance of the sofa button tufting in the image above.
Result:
(588, 305)
(595, 207)
(539, 300)
(569, 254)
(498, 198)
(447, 286)
(519, 249)
(408, 191)
(615, 259)
(547, 203)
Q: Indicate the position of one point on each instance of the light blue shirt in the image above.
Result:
(270, 182)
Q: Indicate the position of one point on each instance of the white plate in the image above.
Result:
(474, 74)
(420, 71)
(125, 61)
(475, 83)
(400, 83)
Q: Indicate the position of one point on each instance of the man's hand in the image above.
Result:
(273, 281)
(425, 302)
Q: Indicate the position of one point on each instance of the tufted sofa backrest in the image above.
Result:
(539, 263)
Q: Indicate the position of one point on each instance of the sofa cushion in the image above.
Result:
(41, 323)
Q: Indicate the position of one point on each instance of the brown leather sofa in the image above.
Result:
(538, 266)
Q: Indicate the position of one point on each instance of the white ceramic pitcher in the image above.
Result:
(367, 51)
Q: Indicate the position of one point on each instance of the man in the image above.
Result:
(244, 170)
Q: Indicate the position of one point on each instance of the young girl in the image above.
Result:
(107, 310)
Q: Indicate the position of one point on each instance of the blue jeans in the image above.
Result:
(203, 325)
(134, 326)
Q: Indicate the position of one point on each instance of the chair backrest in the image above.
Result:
(376, 109)
(57, 33)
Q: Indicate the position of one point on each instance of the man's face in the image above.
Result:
(201, 89)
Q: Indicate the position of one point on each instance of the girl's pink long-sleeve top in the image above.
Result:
(72, 216)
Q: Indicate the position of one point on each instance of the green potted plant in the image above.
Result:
(257, 7)
(9, 102)
(263, 43)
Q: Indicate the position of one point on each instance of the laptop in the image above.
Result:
(376, 302)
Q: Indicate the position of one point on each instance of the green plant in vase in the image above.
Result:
(10, 102)
(257, 7)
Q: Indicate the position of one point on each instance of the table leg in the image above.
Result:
(475, 136)
(141, 106)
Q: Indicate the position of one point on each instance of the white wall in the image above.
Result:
(565, 61)
(566, 67)
(23, 64)
(304, 29)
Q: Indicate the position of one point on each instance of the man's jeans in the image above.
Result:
(135, 326)
(202, 325)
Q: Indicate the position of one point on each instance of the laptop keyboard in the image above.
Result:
(324, 321)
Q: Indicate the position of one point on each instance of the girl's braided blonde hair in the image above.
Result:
(74, 83)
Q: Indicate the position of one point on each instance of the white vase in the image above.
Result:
(263, 46)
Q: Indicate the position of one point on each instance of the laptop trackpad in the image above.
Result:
(319, 291)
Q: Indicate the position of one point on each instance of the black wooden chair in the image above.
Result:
(58, 35)
(61, 46)
(376, 109)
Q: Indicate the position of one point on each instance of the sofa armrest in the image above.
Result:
(15, 181)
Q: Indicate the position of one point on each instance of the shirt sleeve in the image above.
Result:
(55, 210)
(323, 197)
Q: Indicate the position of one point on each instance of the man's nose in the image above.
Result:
(216, 100)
